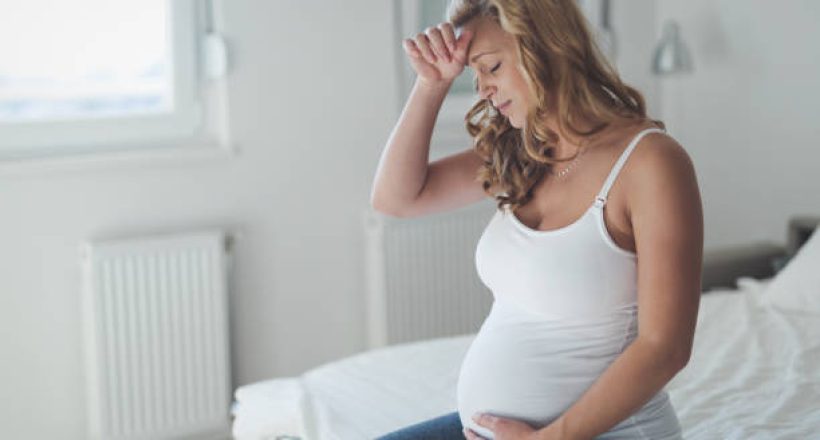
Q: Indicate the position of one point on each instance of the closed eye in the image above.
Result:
(475, 78)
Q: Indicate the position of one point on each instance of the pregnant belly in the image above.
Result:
(531, 369)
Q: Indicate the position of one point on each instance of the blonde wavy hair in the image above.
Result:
(570, 79)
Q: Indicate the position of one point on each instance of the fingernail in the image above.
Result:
(477, 416)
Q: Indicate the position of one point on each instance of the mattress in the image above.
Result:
(752, 375)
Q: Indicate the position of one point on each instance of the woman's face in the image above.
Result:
(500, 78)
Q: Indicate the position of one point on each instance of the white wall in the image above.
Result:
(748, 114)
(633, 21)
(311, 103)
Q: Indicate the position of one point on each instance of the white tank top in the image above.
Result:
(565, 306)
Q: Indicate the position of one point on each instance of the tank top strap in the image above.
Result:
(600, 200)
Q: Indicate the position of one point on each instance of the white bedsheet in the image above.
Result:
(753, 375)
(754, 371)
(269, 409)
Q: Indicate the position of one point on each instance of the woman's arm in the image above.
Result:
(667, 220)
(402, 168)
(437, 58)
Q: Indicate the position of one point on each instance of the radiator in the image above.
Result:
(156, 337)
(421, 277)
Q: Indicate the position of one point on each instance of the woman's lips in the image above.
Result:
(503, 107)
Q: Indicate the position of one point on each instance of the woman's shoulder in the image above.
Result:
(654, 148)
(658, 161)
(656, 152)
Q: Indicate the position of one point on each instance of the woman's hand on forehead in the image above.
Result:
(436, 54)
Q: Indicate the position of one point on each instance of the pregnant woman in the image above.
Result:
(594, 253)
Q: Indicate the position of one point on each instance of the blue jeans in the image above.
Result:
(446, 427)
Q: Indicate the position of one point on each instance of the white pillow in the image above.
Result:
(797, 286)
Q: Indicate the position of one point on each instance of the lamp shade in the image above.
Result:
(671, 55)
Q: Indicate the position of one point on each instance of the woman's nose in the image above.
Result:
(485, 91)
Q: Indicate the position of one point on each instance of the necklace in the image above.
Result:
(569, 167)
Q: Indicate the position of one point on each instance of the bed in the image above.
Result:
(753, 373)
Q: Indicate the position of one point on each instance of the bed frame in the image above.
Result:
(722, 267)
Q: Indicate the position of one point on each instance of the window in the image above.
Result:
(95, 75)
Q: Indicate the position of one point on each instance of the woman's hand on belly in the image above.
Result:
(512, 429)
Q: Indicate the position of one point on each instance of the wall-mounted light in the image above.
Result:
(671, 55)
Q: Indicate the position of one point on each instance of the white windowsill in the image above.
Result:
(182, 153)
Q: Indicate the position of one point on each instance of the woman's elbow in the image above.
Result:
(678, 359)
(670, 354)
(386, 208)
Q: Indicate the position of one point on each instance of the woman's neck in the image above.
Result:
(568, 143)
